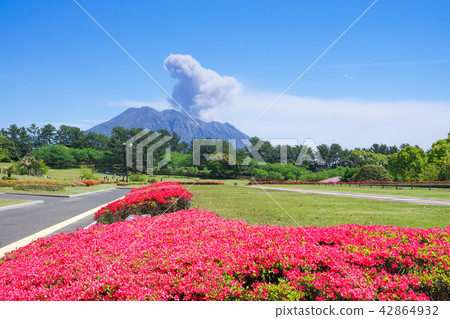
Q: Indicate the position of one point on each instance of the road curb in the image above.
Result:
(35, 202)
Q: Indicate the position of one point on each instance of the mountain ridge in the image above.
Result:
(173, 121)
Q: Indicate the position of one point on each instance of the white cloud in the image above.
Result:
(349, 122)
(199, 91)
(347, 76)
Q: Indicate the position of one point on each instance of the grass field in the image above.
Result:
(8, 202)
(256, 207)
(408, 192)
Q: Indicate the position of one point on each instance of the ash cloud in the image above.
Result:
(200, 91)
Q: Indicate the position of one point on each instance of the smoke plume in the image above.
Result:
(200, 91)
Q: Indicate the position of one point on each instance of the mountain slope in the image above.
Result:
(172, 121)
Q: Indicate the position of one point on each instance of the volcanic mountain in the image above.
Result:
(172, 121)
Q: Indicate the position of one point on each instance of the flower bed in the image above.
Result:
(16, 183)
(195, 255)
(39, 187)
(155, 199)
(6, 183)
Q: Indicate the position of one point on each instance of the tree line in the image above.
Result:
(69, 146)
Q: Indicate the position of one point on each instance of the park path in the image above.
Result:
(19, 223)
(392, 198)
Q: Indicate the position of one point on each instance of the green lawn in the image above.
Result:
(8, 202)
(256, 207)
(408, 192)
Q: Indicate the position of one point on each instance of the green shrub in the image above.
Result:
(348, 174)
(88, 173)
(137, 177)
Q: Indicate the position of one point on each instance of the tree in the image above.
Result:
(30, 164)
(408, 164)
(33, 132)
(259, 174)
(54, 155)
(214, 168)
(372, 173)
(439, 159)
(70, 136)
(20, 139)
(180, 160)
(26, 163)
(360, 158)
(348, 174)
(430, 172)
(46, 136)
(9, 169)
(6, 148)
(97, 141)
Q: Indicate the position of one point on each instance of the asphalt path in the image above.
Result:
(18, 223)
(392, 198)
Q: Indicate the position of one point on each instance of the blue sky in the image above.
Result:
(385, 81)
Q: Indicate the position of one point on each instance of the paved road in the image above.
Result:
(413, 200)
(18, 223)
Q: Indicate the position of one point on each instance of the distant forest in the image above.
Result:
(69, 146)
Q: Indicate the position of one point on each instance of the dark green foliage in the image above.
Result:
(55, 155)
(372, 173)
(408, 164)
(348, 174)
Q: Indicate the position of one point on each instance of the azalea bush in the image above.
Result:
(155, 199)
(195, 255)
(91, 182)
